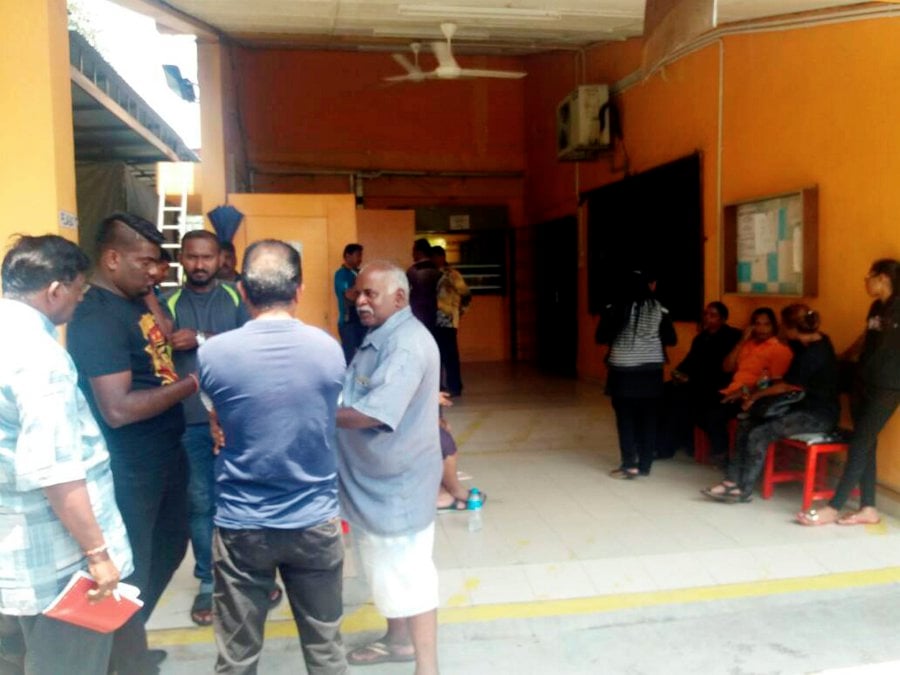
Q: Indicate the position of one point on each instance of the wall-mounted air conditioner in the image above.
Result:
(579, 132)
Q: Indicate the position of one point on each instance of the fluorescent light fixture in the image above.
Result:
(428, 33)
(474, 12)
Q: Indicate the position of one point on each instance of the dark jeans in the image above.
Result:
(636, 422)
(754, 437)
(151, 492)
(198, 444)
(352, 335)
(38, 645)
(311, 563)
(449, 347)
(872, 408)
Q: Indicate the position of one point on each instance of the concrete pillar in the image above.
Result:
(37, 174)
(215, 187)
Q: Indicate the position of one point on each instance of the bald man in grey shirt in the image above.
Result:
(390, 466)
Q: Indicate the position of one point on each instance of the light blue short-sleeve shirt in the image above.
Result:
(389, 475)
(48, 436)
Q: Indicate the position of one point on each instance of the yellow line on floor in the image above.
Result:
(366, 618)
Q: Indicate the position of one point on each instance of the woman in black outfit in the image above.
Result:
(876, 394)
(637, 329)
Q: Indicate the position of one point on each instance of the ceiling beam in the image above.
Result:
(173, 19)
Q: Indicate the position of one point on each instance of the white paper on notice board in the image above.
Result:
(798, 249)
(746, 237)
(766, 235)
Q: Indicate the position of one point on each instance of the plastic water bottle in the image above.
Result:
(764, 379)
(474, 504)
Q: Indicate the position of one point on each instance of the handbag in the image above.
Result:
(770, 407)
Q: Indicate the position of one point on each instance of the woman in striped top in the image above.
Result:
(637, 329)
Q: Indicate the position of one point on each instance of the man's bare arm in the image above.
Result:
(71, 504)
(120, 405)
(350, 418)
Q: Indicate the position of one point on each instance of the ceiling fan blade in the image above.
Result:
(406, 64)
(500, 74)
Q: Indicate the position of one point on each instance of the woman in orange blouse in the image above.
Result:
(759, 353)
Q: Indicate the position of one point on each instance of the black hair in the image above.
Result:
(201, 234)
(272, 273)
(438, 250)
(769, 312)
(115, 230)
(889, 268)
(227, 246)
(635, 295)
(164, 255)
(350, 249)
(801, 318)
(33, 263)
(422, 246)
(721, 308)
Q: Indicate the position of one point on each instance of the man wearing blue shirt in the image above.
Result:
(391, 466)
(274, 385)
(350, 329)
(57, 507)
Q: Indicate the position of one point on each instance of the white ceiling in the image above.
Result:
(505, 25)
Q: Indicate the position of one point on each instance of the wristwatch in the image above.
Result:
(201, 338)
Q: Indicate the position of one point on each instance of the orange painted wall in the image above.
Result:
(800, 107)
(310, 109)
(312, 118)
(386, 234)
(323, 224)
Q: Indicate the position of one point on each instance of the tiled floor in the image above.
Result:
(575, 573)
(557, 528)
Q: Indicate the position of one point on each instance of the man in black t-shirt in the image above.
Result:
(126, 372)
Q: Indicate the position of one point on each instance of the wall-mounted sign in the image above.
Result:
(68, 220)
(460, 221)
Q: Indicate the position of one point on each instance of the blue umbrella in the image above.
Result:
(225, 220)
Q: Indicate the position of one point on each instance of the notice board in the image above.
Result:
(771, 245)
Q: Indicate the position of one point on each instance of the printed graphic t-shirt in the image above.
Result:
(111, 334)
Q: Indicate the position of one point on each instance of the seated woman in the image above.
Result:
(758, 356)
(758, 353)
(814, 371)
(694, 388)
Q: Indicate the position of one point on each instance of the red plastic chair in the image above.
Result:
(814, 473)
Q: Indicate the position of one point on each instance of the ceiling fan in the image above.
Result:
(447, 68)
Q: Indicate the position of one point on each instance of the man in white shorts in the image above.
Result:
(390, 467)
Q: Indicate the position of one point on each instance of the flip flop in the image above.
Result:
(812, 518)
(379, 652)
(855, 519)
(201, 610)
(454, 506)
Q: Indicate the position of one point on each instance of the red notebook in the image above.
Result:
(72, 605)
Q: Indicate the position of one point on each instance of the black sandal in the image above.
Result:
(623, 474)
(722, 495)
(201, 610)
